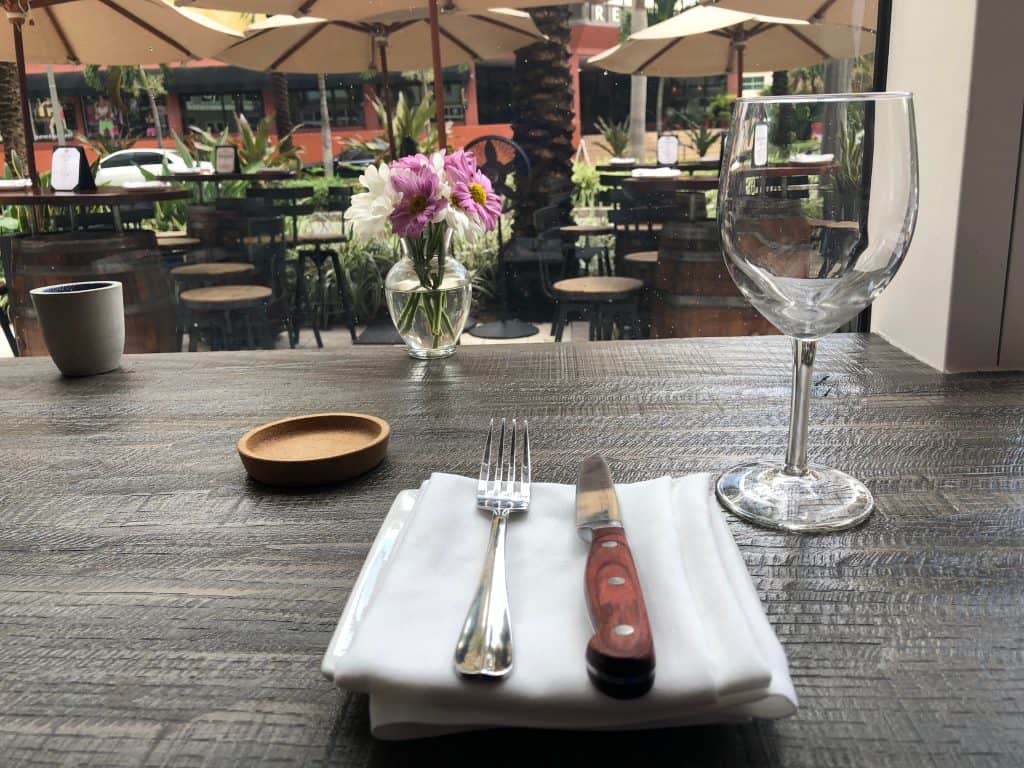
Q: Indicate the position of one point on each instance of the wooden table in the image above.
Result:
(690, 167)
(670, 183)
(218, 178)
(113, 197)
(158, 609)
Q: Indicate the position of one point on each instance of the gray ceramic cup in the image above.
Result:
(83, 325)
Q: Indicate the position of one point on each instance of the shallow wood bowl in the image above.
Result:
(319, 449)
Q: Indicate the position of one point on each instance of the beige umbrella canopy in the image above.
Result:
(102, 32)
(857, 13)
(114, 32)
(358, 10)
(391, 41)
(361, 10)
(290, 44)
(707, 40)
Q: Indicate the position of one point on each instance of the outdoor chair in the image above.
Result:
(317, 244)
(5, 323)
(606, 303)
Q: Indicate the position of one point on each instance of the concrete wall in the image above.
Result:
(960, 58)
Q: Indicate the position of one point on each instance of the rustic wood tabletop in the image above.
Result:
(159, 609)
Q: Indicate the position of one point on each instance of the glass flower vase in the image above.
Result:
(429, 295)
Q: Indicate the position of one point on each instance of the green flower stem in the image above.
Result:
(431, 301)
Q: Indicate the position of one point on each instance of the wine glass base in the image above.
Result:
(819, 501)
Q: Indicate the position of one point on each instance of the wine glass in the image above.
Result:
(812, 232)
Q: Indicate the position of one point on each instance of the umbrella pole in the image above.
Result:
(435, 45)
(26, 120)
(739, 69)
(383, 47)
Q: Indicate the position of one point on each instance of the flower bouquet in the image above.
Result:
(425, 201)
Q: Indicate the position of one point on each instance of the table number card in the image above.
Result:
(70, 170)
(668, 149)
(225, 159)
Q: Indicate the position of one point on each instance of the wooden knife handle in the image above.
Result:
(620, 655)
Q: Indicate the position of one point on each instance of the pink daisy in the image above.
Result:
(420, 200)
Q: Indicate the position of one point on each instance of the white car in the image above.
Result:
(118, 167)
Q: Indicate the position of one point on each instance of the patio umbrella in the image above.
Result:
(707, 40)
(362, 10)
(102, 32)
(858, 13)
(392, 41)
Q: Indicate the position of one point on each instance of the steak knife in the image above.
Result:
(620, 655)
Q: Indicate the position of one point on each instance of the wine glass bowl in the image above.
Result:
(812, 232)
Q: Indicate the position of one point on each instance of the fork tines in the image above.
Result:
(509, 471)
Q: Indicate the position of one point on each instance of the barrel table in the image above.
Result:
(131, 257)
(694, 293)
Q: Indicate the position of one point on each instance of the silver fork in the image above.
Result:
(485, 645)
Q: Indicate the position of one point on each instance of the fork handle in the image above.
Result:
(484, 648)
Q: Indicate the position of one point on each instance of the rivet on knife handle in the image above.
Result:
(620, 655)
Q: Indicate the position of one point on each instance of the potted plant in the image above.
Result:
(616, 137)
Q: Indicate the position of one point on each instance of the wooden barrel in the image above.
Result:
(203, 223)
(695, 295)
(131, 258)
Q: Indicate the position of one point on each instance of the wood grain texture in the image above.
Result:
(159, 609)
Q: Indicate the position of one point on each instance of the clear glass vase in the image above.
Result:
(429, 294)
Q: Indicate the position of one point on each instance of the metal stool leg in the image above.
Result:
(301, 300)
(347, 312)
(317, 309)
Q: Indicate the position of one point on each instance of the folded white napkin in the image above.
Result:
(717, 657)
(656, 173)
(15, 183)
(153, 184)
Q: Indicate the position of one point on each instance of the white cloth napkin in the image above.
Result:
(717, 657)
(656, 173)
(152, 184)
(15, 183)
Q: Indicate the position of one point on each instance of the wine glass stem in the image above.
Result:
(803, 367)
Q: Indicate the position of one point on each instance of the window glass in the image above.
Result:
(102, 118)
(344, 105)
(44, 126)
(215, 112)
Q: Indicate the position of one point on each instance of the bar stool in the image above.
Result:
(318, 244)
(574, 232)
(605, 302)
(175, 247)
(220, 311)
(190, 276)
(643, 265)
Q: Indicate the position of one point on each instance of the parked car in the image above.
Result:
(119, 167)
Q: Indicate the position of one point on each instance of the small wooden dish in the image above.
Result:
(319, 449)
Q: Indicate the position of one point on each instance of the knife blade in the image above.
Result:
(620, 655)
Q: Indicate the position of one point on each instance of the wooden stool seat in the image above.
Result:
(321, 238)
(178, 243)
(213, 269)
(641, 257)
(587, 230)
(599, 288)
(170, 233)
(220, 297)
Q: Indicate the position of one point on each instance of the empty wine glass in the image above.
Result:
(812, 232)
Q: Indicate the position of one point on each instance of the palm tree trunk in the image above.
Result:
(543, 122)
(282, 109)
(325, 127)
(638, 93)
(10, 113)
(58, 113)
(152, 106)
